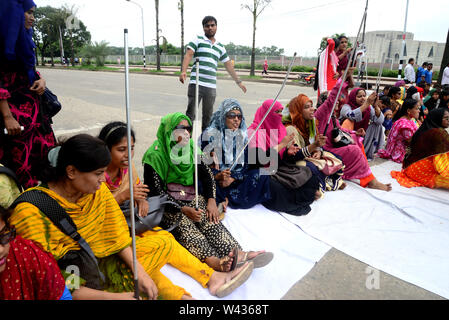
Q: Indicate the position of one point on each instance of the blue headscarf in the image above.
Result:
(16, 41)
(231, 141)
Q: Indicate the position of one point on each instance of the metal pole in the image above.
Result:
(266, 114)
(143, 41)
(402, 56)
(130, 169)
(61, 46)
(196, 124)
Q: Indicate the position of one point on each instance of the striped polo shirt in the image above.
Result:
(209, 55)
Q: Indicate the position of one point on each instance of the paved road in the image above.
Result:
(91, 99)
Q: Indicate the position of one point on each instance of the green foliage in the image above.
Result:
(49, 21)
(97, 51)
(323, 43)
(235, 49)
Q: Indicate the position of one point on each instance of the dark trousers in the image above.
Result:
(205, 94)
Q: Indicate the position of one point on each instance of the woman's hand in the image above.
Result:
(140, 192)
(147, 285)
(223, 175)
(143, 206)
(287, 139)
(226, 182)
(12, 126)
(316, 154)
(192, 214)
(360, 132)
(371, 98)
(212, 211)
(293, 149)
(38, 86)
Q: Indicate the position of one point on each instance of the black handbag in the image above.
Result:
(50, 105)
(340, 138)
(155, 213)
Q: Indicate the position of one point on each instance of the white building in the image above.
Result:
(390, 42)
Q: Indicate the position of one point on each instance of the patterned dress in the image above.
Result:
(400, 133)
(23, 153)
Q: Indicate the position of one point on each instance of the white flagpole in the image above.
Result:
(130, 169)
(196, 124)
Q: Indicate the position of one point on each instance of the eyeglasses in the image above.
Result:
(7, 235)
(181, 127)
(233, 115)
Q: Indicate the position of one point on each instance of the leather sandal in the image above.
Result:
(261, 260)
(235, 282)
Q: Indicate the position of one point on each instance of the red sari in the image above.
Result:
(30, 273)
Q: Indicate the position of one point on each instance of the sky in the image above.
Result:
(294, 25)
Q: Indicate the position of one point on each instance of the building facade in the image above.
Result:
(390, 42)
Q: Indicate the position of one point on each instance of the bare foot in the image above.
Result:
(317, 194)
(249, 256)
(376, 184)
(225, 204)
(343, 185)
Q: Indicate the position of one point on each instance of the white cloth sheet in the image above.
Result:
(404, 233)
(295, 254)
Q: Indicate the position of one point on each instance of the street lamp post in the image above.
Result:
(143, 33)
(402, 55)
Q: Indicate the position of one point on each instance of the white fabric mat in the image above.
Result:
(295, 254)
(404, 232)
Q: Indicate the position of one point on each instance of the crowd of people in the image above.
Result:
(297, 153)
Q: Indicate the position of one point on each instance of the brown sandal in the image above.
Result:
(225, 260)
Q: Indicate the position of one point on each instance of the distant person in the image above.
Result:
(210, 52)
(409, 71)
(445, 78)
(362, 70)
(265, 67)
(420, 74)
(428, 73)
(343, 55)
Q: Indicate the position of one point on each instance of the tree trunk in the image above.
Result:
(182, 31)
(52, 58)
(253, 50)
(158, 51)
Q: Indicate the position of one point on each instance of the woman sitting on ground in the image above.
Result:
(243, 186)
(274, 150)
(427, 163)
(352, 155)
(169, 169)
(26, 271)
(364, 113)
(114, 135)
(432, 100)
(304, 126)
(402, 131)
(74, 178)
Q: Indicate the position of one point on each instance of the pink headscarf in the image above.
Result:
(263, 139)
(366, 114)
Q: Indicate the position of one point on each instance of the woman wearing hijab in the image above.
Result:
(20, 87)
(427, 163)
(352, 155)
(304, 126)
(243, 186)
(365, 113)
(169, 169)
(274, 150)
(402, 131)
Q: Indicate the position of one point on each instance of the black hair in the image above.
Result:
(4, 215)
(385, 100)
(410, 60)
(85, 152)
(393, 90)
(425, 64)
(206, 19)
(444, 92)
(406, 105)
(114, 132)
(337, 42)
(387, 87)
(341, 37)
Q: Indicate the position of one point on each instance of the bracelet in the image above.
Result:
(238, 81)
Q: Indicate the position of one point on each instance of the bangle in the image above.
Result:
(238, 81)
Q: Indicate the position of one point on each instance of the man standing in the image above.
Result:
(428, 73)
(445, 78)
(409, 71)
(420, 75)
(209, 52)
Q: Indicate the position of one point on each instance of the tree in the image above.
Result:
(158, 49)
(256, 9)
(181, 8)
(98, 51)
